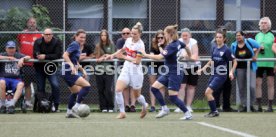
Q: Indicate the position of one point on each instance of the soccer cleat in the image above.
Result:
(104, 110)
(28, 104)
(152, 109)
(11, 110)
(127, 108)
(75, 109)
(144, 110)
(72, 115)
(110, 111)
(121, 115)
(3, 110)
(132, 109)
(269, 109)
(163, 113)
(187, 116)
(212, 114)
(177, 110)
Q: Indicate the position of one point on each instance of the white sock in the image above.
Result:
(11, 102)
(120, 101)
(164, 107)
(2, 102)
(77, 104)
(69, 111)
(28, 102)
(141, 100)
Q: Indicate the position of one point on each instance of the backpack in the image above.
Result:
(42, 103)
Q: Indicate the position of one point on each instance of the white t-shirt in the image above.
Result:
(131, 49)
(191, 43)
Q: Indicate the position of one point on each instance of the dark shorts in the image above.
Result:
(11, 84)
(216, 81)
(70, 79)
(171, 80)
(190, 77)
(267, 70)
(29, 75)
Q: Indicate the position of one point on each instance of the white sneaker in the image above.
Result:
(177, 110)
(163, 113)
(110, 111)
(72, 115)
(187, 116)
(190, 108)
(75, 109)
(28, 104)
(104, 110)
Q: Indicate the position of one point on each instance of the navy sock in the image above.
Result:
(212, 105)
(158, 96)
(72, 100)
(180, 104)
(83, 92)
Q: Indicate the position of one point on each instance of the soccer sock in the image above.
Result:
(2, 102)
(212, 105)
(158, 96)
(120, 101)
(142, 101)
(72, 100)
(270, 103)
(178, 103)
(259, 102)
(83, 92)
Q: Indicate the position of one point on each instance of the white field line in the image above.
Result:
(226, 130)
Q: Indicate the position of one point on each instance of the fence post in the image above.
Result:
(248, 86)
(115, 80)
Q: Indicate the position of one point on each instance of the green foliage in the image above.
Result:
(42, 16)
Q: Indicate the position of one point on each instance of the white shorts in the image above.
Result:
(134, 80)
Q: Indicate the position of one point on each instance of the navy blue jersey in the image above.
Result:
(221, 57)
(171, 52)
(74, 51)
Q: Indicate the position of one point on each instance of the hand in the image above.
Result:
(261, 47)
(73, 69)
(120, 56)
(41, 56)
(143, 52)
(231, 76)
(109, 57)
(100, 59)
(198, 72)
(84, 74)
(82, 57)
(20, 63)
(11, 58)
(254, 58)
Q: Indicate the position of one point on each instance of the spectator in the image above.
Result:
(86, 53)
(47, 48)
(265, 38)
(154, 71)
(224, 90)
(128, 92)
(26, 41)
(190, 78)
(243, 48)
(104, 78)
(10, 76)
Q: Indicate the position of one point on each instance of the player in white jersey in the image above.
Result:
(131, 74)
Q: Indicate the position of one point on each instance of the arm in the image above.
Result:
(209, 63)
(22, 60)
(231, 72)
(152, 56)
(194, 56)
(67, 59)
(274, 48)
(36, 50)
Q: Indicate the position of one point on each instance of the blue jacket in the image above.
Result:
(250, 44)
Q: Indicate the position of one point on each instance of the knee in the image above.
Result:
(2, 83)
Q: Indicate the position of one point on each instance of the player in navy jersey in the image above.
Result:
(78, 86)
(221, 56)
(173, 78)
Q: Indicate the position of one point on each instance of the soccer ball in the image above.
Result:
(83, 110)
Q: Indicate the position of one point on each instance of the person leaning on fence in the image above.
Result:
(104, 77)
(132, 73)
(86, 53)
(244, 48)
(78, 85)
(47, 48)
(189, 81)
(128, 93)
(10, 78)
(221, 56)
(266, 39)
(172, 79)
(154, 72)
(26, 41)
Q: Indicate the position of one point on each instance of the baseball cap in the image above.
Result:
(10, 44)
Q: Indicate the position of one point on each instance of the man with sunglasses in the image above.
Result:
(48, 48)
(129, 107)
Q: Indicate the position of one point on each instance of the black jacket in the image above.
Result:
(52, 50)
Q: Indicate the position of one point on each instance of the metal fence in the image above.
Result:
(202, 17)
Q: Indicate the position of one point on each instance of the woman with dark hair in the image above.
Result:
(221, 56)
(104, 77)
(243, 48)
(155, 69)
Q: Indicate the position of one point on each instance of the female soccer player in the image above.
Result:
(78, 86)
(173, 78)
(131, 74)
(221, 55)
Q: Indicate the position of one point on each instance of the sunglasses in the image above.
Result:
(160, 37)
(48, 34)
(127, 33)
